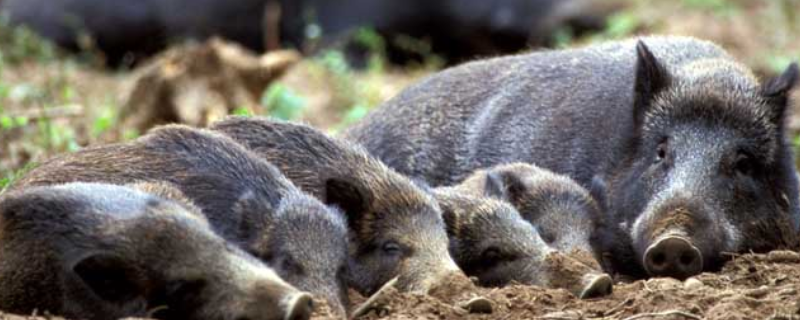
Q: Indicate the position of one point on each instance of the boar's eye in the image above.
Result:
(391, 248)
(661, 151)
(745, 164)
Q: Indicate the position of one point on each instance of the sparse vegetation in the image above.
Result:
(51, 102)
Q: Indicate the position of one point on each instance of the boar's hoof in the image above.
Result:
(300, 307)
(597, 286)
(478, 305)
(673, 257)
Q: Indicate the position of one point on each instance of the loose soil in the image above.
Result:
(752, 286)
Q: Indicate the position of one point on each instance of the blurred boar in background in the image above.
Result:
(456, 29)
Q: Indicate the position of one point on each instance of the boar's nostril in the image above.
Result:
(673, 257)
(659, 259)
(687, 258)
(300, 308)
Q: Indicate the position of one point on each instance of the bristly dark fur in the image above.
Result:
(310, 159)
(99, 251)
(395, 226)
(606, 111)
(240, 193)
(565, 214)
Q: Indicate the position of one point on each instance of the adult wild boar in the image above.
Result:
(396, 227)
(691, 146)
(98, 251)
(239, 193)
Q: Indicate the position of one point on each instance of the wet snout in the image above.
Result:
(673, 256)
(596, 285)
(299, 307)
(445, 273)
(563, 271)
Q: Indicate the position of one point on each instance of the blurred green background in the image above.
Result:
(53, 102)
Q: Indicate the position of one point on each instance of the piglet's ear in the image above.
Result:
(112, 278)
(776, 91)
(506, 186)
(651, 79)
(495, 187)
(451, 220)
(350, 197)
(599, 191)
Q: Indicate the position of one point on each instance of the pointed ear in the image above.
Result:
(350, 197)
(651, 79)
(495, 187)
(451, 220)
(506, 186)
(112, 278)
(776, 92)
(598, 190)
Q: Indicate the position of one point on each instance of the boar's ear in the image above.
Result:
(651, 78)
(776, 91)
(349, 196)
(112, 278)
(598, 190)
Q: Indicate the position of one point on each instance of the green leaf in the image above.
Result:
(357, 112)
(621, 25)
(242, 111)
(21, 121)
(336, 62)
(282, 102)
(6, 122)
(778, 63)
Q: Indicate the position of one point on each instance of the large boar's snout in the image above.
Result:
(673, 256)
(299, 307)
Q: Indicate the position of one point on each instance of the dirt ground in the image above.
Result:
(752, 286)
(69, 105)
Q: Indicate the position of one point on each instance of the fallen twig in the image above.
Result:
(369, 305)
(617, 308)
(65, 111)
(665, 314)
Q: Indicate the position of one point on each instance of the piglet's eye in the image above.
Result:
(745, 164)
(391, 248)
(491, 253)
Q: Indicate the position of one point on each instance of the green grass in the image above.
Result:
(282, 102)
(20, 44)
(19, 101)
(10, 177)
